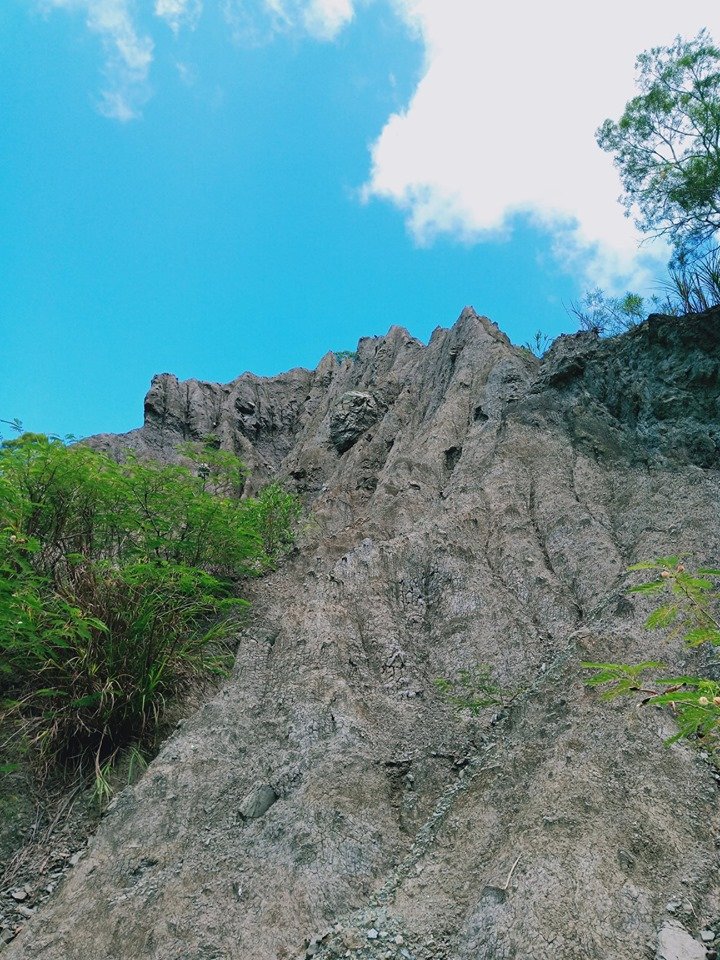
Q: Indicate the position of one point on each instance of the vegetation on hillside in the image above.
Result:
(690, 611)
(475, 689)
(118, 588)
(118, 581)
(666, 147)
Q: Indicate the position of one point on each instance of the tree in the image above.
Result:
(667, 145)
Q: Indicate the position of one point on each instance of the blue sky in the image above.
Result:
(184, 190)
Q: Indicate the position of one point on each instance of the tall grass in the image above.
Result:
(118, 588)
(693, 288)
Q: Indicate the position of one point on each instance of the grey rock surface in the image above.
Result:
(354, 414)
(485, 516)
(257, 802)
(675, 943)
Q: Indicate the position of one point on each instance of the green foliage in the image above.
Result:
(274, 514)
(666, 145)
(606, 315)
(689, 610)
(219, 470)
(341, 355)
(474, 690)
(619, 678)
(117, 588)
(14, 424)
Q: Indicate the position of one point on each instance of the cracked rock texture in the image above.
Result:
(468, 505)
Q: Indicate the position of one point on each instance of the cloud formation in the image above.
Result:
(502, 123)
(257, 21)
(324, 19)
(128, 54)
(179, 13)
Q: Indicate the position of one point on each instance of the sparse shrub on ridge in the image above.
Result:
(538, 345)
(608, 316)
(690, 288)
(118, 588)
(693, 286)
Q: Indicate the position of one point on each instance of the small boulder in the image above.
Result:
(675, 943)
(354, 413)
(257, 802)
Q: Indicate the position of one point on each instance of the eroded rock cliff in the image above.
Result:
(467, 505)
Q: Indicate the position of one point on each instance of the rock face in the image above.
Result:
(353, 415)
(675, 943)
(257, 802)
(468, 505)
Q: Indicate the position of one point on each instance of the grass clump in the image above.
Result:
(475, 689)
(118, 589)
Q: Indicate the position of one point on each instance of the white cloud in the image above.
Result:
(503, 121)
(324, 19)
(257, 21)
(179, 13)
(187, 72)
(128, 54)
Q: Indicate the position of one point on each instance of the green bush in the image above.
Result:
(117, 588)
(689, 611)
(607, 315)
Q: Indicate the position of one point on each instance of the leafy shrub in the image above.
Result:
(117, 588)
(689, 611)
(667, 150)
(606, 315)
(666, 145)
(274, 515)
(219, 470)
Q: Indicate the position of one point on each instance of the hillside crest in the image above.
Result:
(467, 505)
